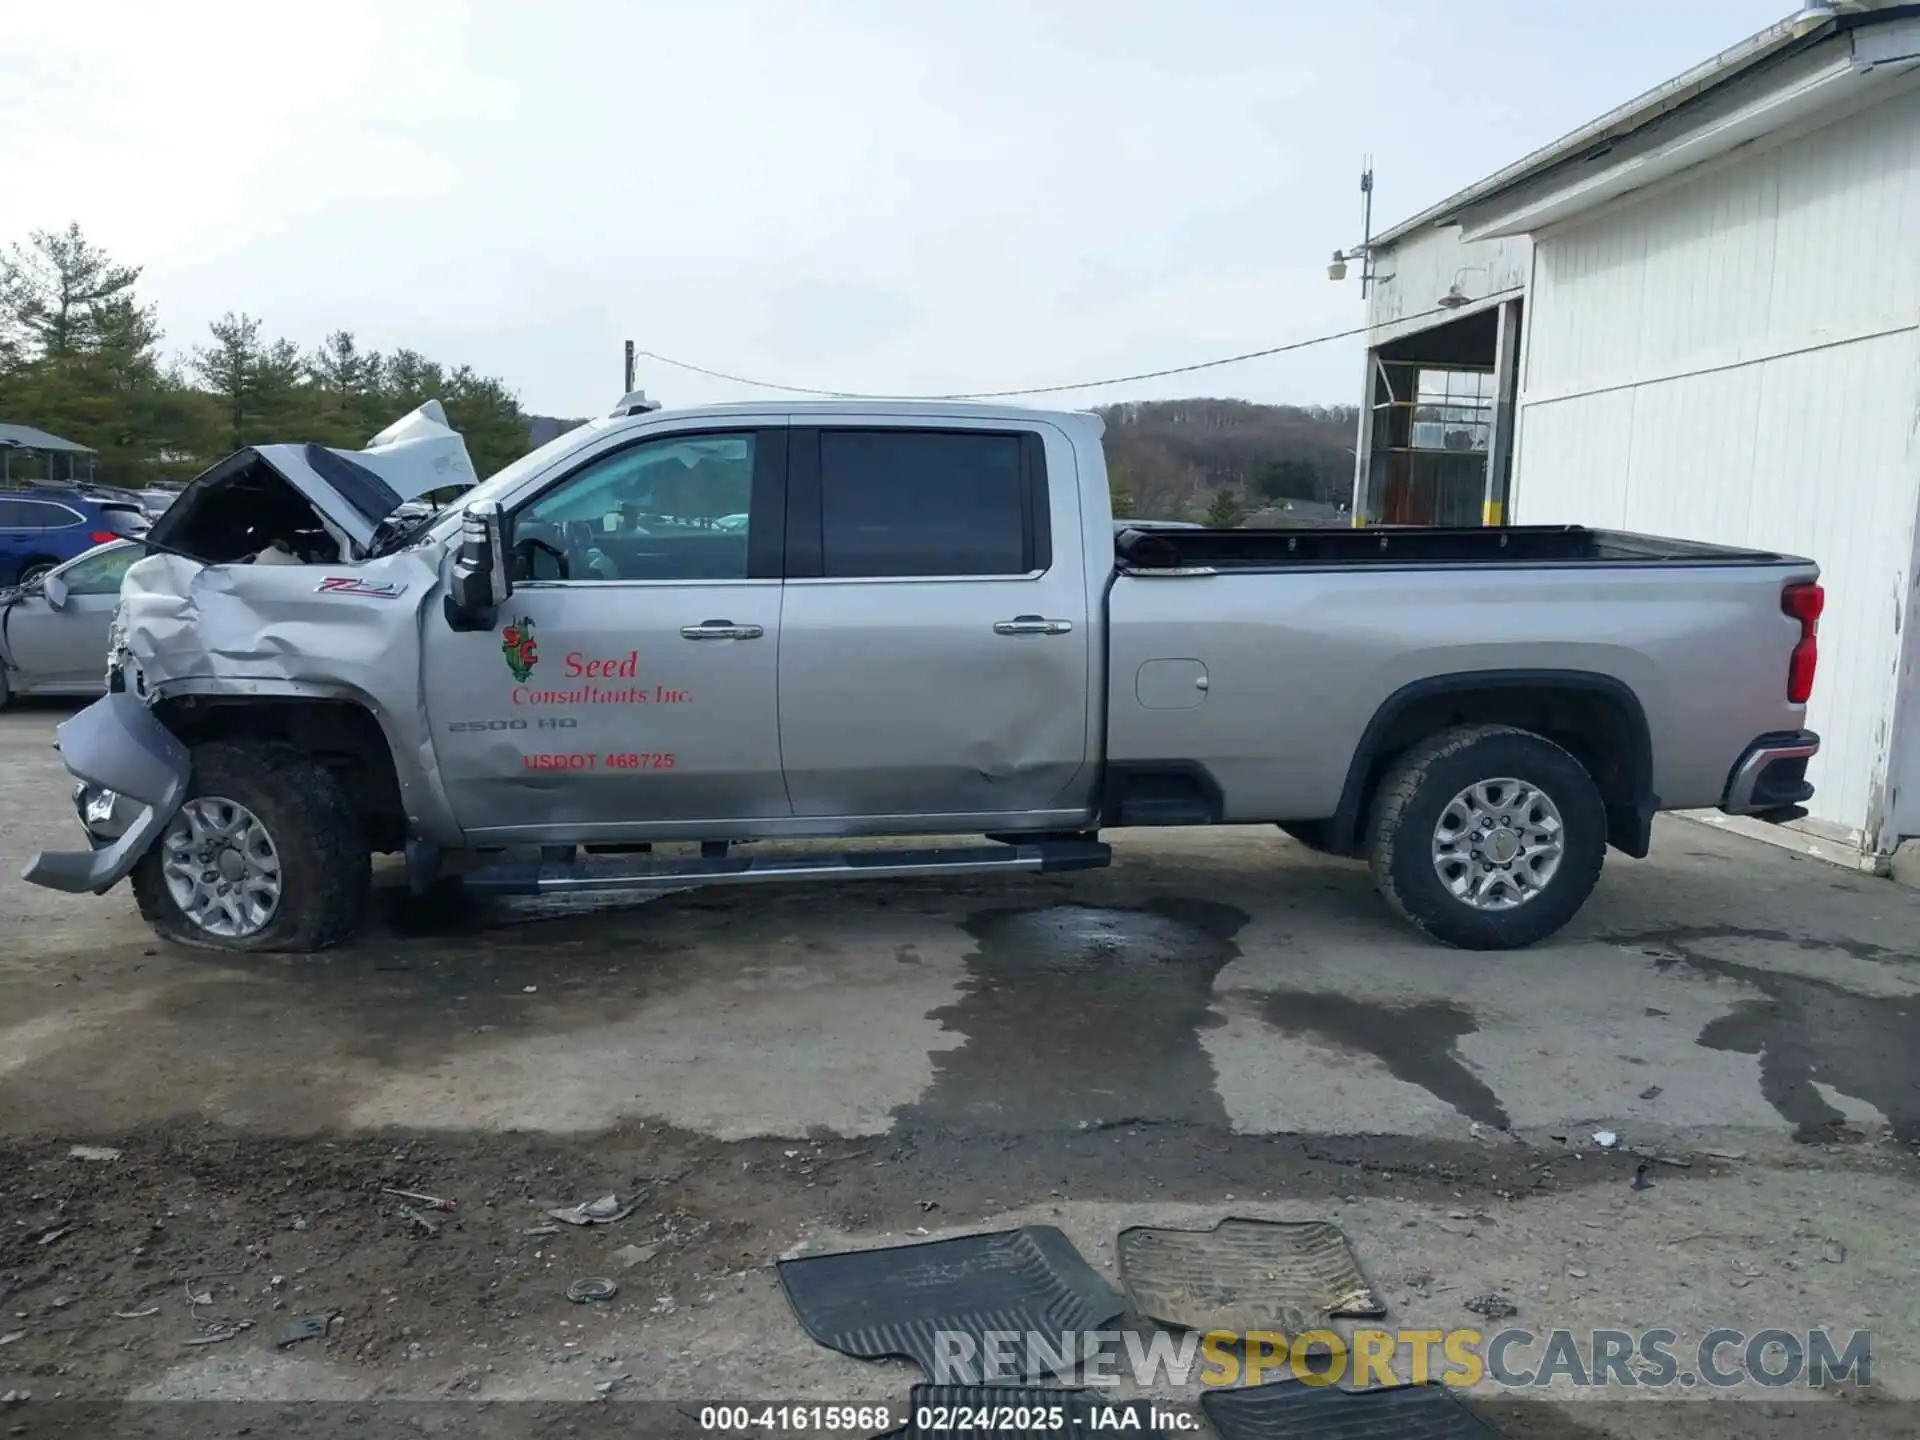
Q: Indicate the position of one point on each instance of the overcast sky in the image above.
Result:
(877, 195)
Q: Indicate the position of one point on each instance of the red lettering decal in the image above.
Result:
(572, 662)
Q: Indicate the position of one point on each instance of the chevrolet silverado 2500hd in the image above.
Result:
(772, 621)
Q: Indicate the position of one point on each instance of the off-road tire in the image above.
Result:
(326, 867)
(1422, 783)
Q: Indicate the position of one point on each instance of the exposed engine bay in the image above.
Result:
(314, 505)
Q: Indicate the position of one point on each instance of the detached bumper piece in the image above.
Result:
(1771, 778)
(115, 745)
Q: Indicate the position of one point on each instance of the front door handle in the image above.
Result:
(1032, 625)
(720, 630)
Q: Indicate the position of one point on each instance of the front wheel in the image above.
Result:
(1487, 837)
(265, 853)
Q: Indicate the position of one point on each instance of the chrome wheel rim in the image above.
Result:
(221, 867)
(1498, 844)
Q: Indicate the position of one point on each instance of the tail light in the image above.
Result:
(1804, 603)
(103, 537)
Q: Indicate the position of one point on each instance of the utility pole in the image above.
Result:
(627, 388)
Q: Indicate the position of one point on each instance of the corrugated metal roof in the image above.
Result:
(28, 438)
(1797, 30)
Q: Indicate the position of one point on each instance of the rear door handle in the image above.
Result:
(1032, 625)
(720, 630)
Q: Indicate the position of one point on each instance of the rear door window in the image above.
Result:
(929, 502)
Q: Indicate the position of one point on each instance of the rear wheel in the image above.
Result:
(1487, 837)
(265, 853)
(35, 567)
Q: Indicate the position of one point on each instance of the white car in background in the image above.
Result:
(53, 629)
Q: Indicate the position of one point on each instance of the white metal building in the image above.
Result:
(1698, 316)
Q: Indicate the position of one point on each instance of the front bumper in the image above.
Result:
(115, 745)
(1771, 777)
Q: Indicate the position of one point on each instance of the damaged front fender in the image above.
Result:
(116, 744)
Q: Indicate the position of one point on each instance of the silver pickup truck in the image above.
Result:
(780, 621)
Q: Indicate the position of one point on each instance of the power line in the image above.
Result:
(1039, 389)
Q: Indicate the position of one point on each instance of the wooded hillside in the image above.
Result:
(1182, 459)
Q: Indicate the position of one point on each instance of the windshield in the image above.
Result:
(503, 481)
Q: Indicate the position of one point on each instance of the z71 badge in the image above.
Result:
(354, 585)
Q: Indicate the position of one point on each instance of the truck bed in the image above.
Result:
(1185, 549)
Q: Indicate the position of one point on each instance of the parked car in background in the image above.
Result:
(40, 528)
(53, 630)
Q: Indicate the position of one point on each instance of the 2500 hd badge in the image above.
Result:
(544, 722)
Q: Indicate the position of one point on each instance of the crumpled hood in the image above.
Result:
(352, 490)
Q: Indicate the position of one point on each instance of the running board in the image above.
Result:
(529, 877)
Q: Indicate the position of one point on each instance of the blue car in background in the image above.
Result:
(42, 527)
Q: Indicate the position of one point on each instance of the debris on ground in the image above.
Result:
(301, 1327)
(607, 1210)
(11, 1336)
(53, 1235)
(220, 1334)
(94, 1152)
(593, 1288)
(632, 1255)
(431, 1202)
(16, 1397)
(420, 1217)
(1640, 1180)
(1492, 1306)
(1833, 1252)
(1605, 1139)
(136, 1314)
(1652, 1092)
(541, 1230)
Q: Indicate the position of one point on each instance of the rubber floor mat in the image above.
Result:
(1245, 1275)
(1293, 1411)
(978, 1412)
(904, 1300)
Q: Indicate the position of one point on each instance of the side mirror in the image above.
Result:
(479, 583)
(55, 589)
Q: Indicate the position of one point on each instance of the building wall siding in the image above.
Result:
(1415, 272)
(1738, 360)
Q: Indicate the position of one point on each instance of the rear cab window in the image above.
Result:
(912, 503)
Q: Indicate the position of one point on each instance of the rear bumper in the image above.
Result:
(133, 773)
(1772, 775)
